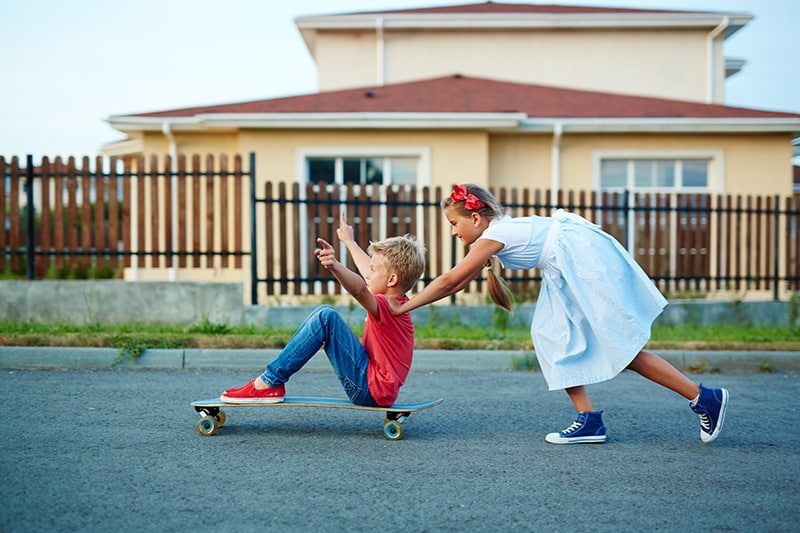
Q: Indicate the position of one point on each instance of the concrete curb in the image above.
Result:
(32, 357)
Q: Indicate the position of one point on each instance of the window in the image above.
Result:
(363, 170)
(657, 175)
(645, 182)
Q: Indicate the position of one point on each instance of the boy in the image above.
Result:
(372, 370)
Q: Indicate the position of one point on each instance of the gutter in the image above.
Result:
(711, 55)
(482, 21)
(166, 128)
(555, 180)
(380, 53)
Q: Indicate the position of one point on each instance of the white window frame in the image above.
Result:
(715, 158)
(422, 153)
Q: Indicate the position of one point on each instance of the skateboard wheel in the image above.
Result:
(392, 430)
(207, 426)
(220, 418)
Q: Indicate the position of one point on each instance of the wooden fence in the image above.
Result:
(192, 214)
(688, 243)
(131, 213)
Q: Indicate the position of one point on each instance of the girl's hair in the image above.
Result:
(405, 256)
(498, 288)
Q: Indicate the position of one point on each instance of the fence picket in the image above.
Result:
(4, 171)
(792, 241)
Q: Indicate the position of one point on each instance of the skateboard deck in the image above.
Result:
(212, 417)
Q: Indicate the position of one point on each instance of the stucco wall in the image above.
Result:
(669, 64)
(740, 164)
(345, 59)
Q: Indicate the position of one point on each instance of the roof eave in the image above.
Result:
(522, 20)
(323, 121)
(664, 125)
(488, 121)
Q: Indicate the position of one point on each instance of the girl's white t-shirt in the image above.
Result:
(523, 239)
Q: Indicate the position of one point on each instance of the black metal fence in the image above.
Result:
(687, 243)
(192, 214)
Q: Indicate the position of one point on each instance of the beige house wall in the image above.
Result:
(453, 155)
(520, 160)
(191, 143)
(667, 64)
(346, 59)
(740, 164)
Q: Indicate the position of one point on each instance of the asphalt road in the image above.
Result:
(118, 450)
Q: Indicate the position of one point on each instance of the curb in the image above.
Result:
(34, 357)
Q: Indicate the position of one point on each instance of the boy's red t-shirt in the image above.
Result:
(389, 340)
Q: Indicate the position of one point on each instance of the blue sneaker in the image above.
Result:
(711, 406)
(587, 428)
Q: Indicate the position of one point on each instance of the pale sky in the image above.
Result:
(69, 65)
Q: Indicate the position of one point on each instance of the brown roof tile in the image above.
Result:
(462, 94)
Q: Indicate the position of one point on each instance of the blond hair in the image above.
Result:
(404, 256)
(491, 209)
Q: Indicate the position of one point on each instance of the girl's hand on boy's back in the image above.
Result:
(345, 230)
(326, 254)
(395, 305)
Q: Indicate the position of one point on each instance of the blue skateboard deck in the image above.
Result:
(212, 417)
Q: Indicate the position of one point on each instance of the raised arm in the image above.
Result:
(456, 279)
(349, 280)
(347, 236)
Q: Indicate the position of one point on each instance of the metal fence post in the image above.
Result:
(29, 252)
(253, 249)
(776, 262)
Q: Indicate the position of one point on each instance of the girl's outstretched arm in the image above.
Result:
(456, 279)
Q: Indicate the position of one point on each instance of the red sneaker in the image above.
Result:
(249, 394)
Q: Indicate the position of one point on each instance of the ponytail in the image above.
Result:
(498, 288)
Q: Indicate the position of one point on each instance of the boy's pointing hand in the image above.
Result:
(325, 254)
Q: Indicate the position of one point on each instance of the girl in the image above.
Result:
(594, 311)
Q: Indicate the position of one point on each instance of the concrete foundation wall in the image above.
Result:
(189, 303)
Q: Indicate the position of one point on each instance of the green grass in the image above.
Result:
(133, 338)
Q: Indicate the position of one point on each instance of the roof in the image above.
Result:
(504, 15)
(463, 94)
(498, 7)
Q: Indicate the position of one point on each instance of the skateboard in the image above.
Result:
(212, 417)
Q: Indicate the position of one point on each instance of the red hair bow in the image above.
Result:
(471, 201)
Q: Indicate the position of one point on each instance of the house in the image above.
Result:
(508, 95)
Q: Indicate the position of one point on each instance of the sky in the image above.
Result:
(69, 65)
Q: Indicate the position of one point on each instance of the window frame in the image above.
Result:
(338, 153)
(715, 160)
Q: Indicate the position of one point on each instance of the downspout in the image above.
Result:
(712, 69)
(380, 52)
(555, 179)
(166, 128)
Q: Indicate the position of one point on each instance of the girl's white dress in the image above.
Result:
(596, 304)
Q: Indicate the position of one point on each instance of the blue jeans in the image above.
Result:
(325, 328)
